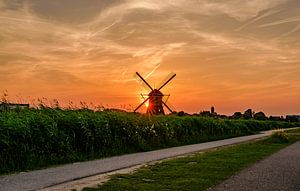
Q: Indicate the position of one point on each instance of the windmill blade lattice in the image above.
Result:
(173, 76)
(155, 97)
(144, 80)
(166, 79)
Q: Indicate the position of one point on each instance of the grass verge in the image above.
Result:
(200, 171)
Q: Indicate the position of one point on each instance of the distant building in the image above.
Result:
(293, 118)
(7, 106)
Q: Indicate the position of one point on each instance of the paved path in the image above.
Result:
(52, 176)
(279, 172)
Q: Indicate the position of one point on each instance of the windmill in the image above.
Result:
(155, 97)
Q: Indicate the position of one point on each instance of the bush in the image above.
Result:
(279, 137)
(33, 138)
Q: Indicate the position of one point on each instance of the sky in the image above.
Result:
(230, 54)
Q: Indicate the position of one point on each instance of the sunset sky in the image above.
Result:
(231, 54)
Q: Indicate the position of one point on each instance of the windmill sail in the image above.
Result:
(155, 97)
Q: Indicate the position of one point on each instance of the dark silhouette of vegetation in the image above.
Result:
(205, 114)
(260, 116)
(293, 118)
(277, 118)
(211, 113)
(248, 114)
(237, 115)
(182, 113)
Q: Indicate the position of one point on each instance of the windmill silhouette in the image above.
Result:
(155, 97)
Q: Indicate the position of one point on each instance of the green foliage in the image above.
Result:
(34, 138)
(279, 137)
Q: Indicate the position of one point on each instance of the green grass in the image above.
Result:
(200, 171)
(293, 131)
(37, 138)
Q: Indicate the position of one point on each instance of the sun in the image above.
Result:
(147, 103)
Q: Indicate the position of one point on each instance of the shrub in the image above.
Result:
(279, 137)
(33, 138)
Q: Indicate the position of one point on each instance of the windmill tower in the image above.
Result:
(155, 98)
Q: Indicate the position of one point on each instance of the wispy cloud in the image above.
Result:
(283, 21)
(293, 30)
(267, 14)
(238, 45)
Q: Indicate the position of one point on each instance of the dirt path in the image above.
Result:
(280, 171)
(91, 182)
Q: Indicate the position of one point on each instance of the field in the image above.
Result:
(37, 138)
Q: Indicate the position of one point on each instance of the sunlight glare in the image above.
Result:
(147, 103)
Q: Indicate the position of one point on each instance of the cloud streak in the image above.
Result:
(229, 42)
(283, 21)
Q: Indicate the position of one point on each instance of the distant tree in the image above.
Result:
(222, 116)
(260, 116)
(205, 113)
(293, 118)
(174, 113)
(248, 114)
(237, 115)
(277, 118)
(181, 113)
(195, 114)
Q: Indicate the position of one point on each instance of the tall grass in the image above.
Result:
(34, 138)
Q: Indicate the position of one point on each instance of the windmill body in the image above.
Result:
(155, 105)
(155, 98)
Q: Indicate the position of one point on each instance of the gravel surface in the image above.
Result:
(39, 179)
(280, 171)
